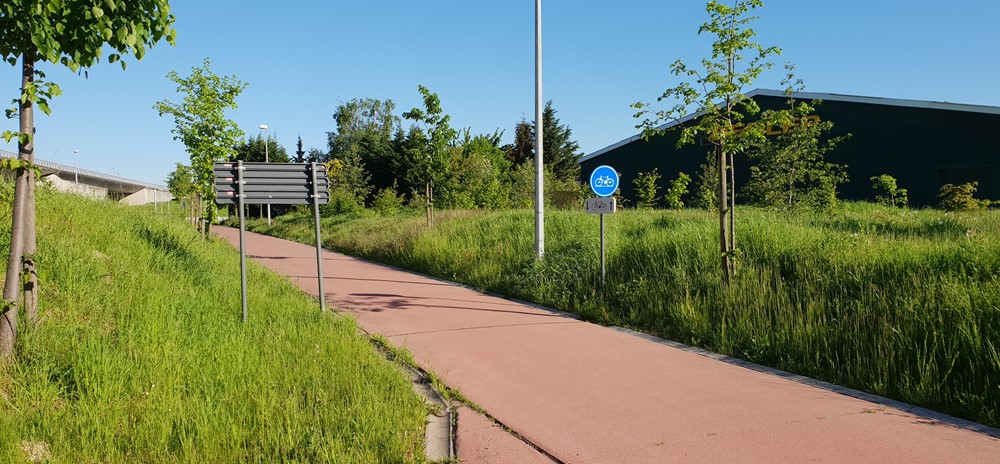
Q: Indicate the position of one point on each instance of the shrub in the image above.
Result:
(678, 188)
(960, 197)
(887, 191)
(646, 188)
(387, 201)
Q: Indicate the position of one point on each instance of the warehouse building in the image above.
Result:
(923, 144)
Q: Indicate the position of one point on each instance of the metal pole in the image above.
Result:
(319, 242)
(267, 160)
(539, 170)
(76, 169)
(603, 270)
(243, 242)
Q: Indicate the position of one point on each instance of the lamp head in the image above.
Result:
(263, 126)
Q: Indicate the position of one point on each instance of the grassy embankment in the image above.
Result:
(140, 356)
(904, 304)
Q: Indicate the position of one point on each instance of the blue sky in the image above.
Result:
(302, 58)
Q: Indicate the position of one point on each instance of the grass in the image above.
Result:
(901, 303)
(140, 356)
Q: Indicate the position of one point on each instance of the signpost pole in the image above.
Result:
(243, 242)
(603, 272)
(319, 242)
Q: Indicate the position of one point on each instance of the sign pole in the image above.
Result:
(603, 269)
(319, 242)
(539, 145)
(243, 242)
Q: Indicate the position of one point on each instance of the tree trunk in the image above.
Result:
(28, 262)
(723, 212)
(732, 212)
(12, 284)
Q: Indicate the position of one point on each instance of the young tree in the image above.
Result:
(71, 33)
(181, 185)
(887, 191)
(202, 126)
(791, 169)
(676, 191)
(716, 93)
(647, 188)
(439, 135)
(181, 182)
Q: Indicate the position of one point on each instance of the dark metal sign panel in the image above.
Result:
(270, 184)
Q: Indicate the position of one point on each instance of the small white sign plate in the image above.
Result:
(600, 205)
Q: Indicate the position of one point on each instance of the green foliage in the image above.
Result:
(899, 303)
(387, 201)
(523, 148)
(252, 150)
(676, 191)
(14, 165)
(960, 197)
(790, 169)
(201, 124)
(365, 130)
(887, 192)
(75, 34)
(428, 156)
(181, 182)
(350, 184)
(647, 189)
(559, 193)
(140, 356)
(479, 174)
(716, 92)
(561, 152)
(707, 191)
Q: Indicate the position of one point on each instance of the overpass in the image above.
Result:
(98, 185)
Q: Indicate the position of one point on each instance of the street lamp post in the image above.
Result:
(539, 170)
(76, 169)
(266, 160)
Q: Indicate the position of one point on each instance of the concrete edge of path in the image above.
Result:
(870, 397)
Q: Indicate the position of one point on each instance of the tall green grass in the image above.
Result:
(140, 356)
(904, 304)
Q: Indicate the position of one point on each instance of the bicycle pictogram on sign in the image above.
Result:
(604, 181)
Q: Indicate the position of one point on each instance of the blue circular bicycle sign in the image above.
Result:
(604, 181)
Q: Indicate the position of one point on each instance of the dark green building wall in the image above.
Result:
(923, 148)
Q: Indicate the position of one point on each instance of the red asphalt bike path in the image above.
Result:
(584, 393)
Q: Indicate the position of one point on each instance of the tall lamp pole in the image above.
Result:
(539, 171)
(266, 160)
(76, 168)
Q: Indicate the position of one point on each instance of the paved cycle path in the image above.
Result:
(584, 393)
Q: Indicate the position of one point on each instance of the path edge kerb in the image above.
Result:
(922, 412)
(919, 411)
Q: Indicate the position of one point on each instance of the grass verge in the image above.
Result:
(140, 356)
